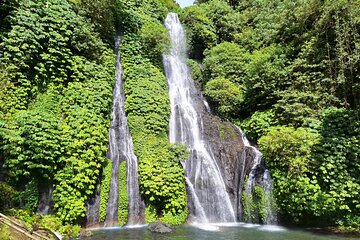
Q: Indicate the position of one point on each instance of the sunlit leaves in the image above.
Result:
(225, 95)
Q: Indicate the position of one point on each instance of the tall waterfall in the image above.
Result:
(204, 178)
(220, 155)
(121, 149)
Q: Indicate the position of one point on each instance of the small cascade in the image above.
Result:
(259, 176)
(205, 181)
(270, 207)
(46, 202)
(121, 149)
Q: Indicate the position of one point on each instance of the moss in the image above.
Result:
(260, 203)
(123, 196)
(231, 132)
(105, 189)
(221, 130)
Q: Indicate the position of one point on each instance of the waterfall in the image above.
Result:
(259, 176)
(220, 155)
(205, 181)
(121, 149)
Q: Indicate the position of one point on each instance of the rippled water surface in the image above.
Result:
(239, 231)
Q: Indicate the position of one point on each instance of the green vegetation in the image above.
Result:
(105, 189)
(161, 175)
(33, 222)
(59, 112)
(5, 233)
(287, 73)
(56, 81)
(254, 205)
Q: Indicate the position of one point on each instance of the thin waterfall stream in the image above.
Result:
(121, 149)
(265, 183)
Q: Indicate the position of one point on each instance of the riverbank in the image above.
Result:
(335, 231)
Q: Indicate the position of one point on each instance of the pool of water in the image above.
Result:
(238, 231)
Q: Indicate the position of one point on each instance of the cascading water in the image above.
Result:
(205, 181)
(121, 149)
(221, 156)
(259, 176)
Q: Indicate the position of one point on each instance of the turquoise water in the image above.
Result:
(238, 231)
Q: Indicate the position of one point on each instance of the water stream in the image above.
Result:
(121, 149)
(259, 176)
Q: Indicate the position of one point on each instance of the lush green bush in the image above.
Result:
(258, 124)
(226, 60)
(155, 39)
(224, 95)
(7, 196)
(287, 152)
(161, 176)
(200, 30)
(58, 78)
(294, 61)
(338, 156)
(50, 222)
(105, 189)
(30, 196)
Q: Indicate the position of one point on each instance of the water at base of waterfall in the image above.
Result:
(235, 231)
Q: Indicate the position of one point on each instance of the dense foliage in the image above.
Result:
(161, 175)
(288, 73)
(56, 81)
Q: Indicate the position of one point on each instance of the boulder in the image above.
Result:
(160, 227)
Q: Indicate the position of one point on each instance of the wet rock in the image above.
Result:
(160, 227)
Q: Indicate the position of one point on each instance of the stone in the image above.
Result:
(160, 227)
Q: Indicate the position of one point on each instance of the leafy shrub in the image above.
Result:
(258, 124)
(5, 233)
(50, 222)
(225, 95)
(105, 189)
(7, 196)
(70, 231)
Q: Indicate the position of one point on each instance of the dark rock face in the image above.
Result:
(234, 159)
(160, 227)
(93, 209)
